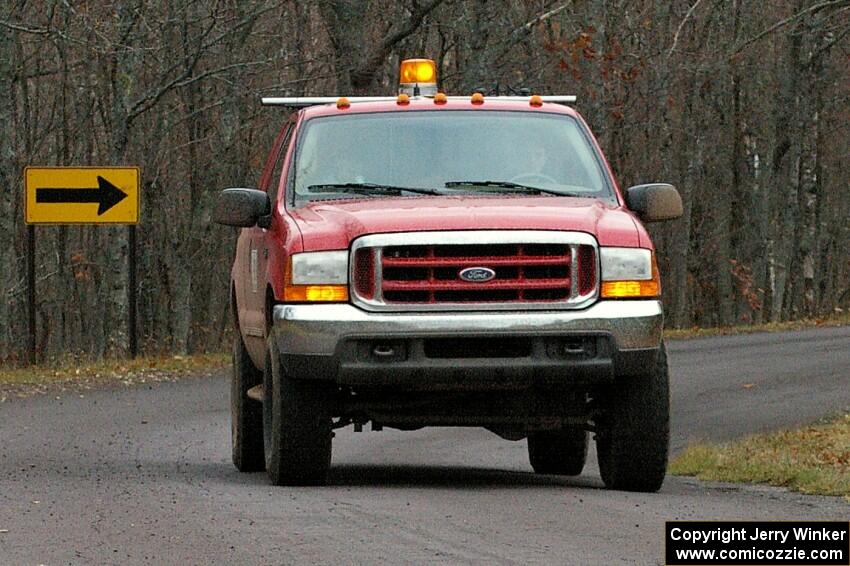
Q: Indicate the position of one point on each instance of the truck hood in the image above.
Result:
(329, 225)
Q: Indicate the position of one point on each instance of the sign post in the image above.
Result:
(132, 339)
(82, 195)
(31, 294)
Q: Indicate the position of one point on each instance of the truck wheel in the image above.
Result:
(296, 425)
(634, 433)
(246, 415)
(563, 452)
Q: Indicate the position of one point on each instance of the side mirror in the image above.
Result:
(241, 207)
(654, 202)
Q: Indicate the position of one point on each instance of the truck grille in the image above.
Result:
(428, 276)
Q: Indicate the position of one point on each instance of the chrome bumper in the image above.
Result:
(318, 330)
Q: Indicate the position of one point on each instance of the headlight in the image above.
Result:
(320, 267)
(620, 264)
(629, 273)
(318, 277)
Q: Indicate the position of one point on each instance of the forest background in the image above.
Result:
(744, 105)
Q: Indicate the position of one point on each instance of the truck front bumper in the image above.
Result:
(345, 344)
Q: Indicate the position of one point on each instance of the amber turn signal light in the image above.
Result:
(630, 289)
(315, 293)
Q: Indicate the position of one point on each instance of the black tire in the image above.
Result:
(563, 452)
(246, 415)
(297, 426)
(634, 433)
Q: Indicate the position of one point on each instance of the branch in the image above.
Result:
(682, 25)
(218, 70)
(790, 19)
(45, 31)
(541, 18)
(519, 34)
(18, 27)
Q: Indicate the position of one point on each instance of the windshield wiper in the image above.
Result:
(369, 188)
(510, 186)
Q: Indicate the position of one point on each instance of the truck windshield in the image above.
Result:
(449, 152)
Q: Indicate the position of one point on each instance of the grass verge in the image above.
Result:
(70, 374)
(814, 459)
(802, 324)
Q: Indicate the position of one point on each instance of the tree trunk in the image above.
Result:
(7, 222)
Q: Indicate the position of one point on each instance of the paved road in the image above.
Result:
(142, 475)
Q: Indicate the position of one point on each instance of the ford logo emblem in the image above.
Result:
(477, 274)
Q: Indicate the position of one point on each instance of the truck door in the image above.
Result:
(258, 252)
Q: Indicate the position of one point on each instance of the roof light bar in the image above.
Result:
(302, 101)
(556, 98)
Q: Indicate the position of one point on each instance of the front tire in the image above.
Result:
(634, 433)
(562, 452)
(246, 414)
(296, 425)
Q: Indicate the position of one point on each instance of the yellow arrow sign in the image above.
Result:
(81, 195)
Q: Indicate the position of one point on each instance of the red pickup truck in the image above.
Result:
(425, 260)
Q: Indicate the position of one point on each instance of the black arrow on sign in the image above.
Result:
(106, 195)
